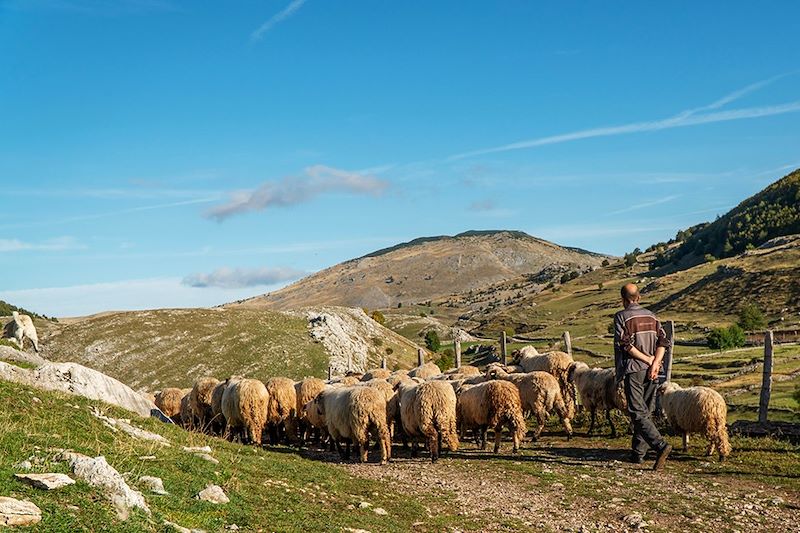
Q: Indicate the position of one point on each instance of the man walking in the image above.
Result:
(639, 346)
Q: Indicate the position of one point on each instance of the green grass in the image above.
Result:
(275, 490)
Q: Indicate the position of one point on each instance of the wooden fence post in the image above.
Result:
(503, 348)
(457, 346)
(766, 380)
(669, 329)
(383, 362)
(420, 357)
(567, 343)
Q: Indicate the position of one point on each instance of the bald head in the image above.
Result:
(629, 293)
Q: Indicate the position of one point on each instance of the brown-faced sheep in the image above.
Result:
(376, 373)
(540, 394)
(200, 402)
(464, 370)
(697, 410)
(244, 405)
(169, 402)
(428, 410)
(597, 389)
(306, 390)
(20, 328)
(425, 371)
(351, 413)
(282, 408)
(493, 404)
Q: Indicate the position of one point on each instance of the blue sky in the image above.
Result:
(158, 153)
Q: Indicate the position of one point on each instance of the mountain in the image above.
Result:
(6, 309)
(429, 268)
(773, 212)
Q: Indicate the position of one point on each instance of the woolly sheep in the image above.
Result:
(425, 371)
(282, 407)
(388, 393)
(540, 394)
(350, 414)
(187, 418)
(348, 381)
(376, 373)
(597, 389)
(169, 402)
(556, 363)
(218, 418)
(200, 402)
(493, 404)
(428, 410)
(697, 410)
(20, 328)
(464, 370)
(305, 391)
(397, 378)
(244, 405)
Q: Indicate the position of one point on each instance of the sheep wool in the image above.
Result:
(244, 405)
(492, 404)
(200, 401)
(697, 410)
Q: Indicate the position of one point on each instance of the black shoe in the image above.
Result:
(661, 457)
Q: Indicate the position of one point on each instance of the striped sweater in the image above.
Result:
(636, 326)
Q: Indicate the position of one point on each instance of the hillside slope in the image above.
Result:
(172, 347)
(426, 269)
(772, 212)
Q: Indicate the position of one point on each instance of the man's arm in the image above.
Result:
(636, 353)
(661, 349)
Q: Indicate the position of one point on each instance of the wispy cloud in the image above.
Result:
(645, 205)
(292, 190)
(236, 278)
(276, 19)
(689, 117)
(50, 245)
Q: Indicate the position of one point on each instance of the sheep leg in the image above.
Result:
(363, 448)
(593, 420)
(482, 430)
(541, 419)
(685, 441)
(433, 446)
(498, 437)
(414, 448)
(611, 423)
(439, 440)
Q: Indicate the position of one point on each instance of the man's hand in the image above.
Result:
(652, 372)
(641, 356)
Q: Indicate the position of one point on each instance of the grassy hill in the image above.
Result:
(6, 310)
(773, 212)
(172, 347)
(428, 268)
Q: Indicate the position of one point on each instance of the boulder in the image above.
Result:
(98, 473)
(15, 512)
(153, 484)
(213, 494)
(46, 481)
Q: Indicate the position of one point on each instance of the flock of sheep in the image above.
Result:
(425, 405)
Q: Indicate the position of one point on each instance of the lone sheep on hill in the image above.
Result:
(20, 328)
(697, 410)
(493, 404)
(597, 389)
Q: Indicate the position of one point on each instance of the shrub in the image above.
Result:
(726, 338)
(432, 341)
(630, 260)
(751, 318)
(605, 263)
(600, 286)
(389, 351)
(510, 332)
(378, 317)
(422, 313)
(446, 361)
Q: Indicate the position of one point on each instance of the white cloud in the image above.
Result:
(277, 18)
(50, 245)
(689, 117)
(236, 278)
(292, 190)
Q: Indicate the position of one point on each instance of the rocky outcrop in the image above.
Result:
(73, 378)
(15, 512)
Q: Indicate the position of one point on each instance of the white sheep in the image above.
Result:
(597, 389)
(350, 414)
(428, 410)
(492, 404)
(697, 410)
(20, 328)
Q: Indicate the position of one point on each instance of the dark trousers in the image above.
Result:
(641, 395)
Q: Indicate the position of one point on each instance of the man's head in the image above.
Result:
(630, 294)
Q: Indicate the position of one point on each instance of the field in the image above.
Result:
(553, 484)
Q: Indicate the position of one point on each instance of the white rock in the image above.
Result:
(48, 481)
(364, 505)
(207, 457)
(381, 511)
(98, 473)
(153, 484)
(197, 449)
(131, 430)
(15, 512)
(181, 529)
(213, 494)
(23, 465)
